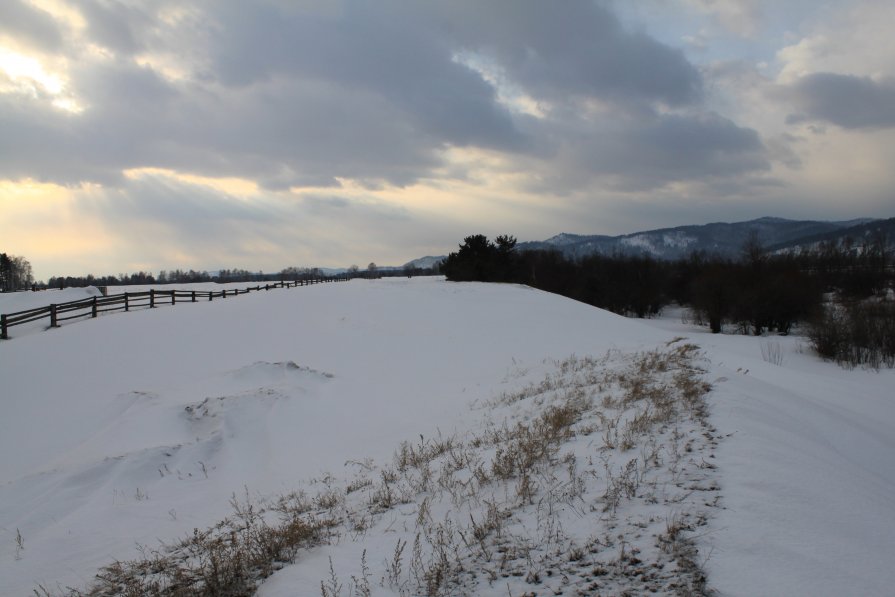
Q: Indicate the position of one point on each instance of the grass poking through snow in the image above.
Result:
(593, 479)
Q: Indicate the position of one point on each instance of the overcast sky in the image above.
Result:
(163, 134)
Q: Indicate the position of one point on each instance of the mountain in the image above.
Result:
(722, 238)
(861, 233)
(427, 262)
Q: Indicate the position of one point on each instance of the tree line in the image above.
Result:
(15, 274)
(178, 276)
(757, 293)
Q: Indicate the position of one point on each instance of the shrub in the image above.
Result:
(862, 333)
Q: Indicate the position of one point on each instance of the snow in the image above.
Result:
(810, 487)
(12, 302)
(647, 242)
(135, 428)
(640, 241)
(563, 238)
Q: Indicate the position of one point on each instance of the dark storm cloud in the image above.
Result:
(575, 47)
(288, 95)
(370, 50)
(25, 22)
(684, 147)
(280, 134)
(650, 151)
(847, 101)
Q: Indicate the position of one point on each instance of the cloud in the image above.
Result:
(29, 24)
(157, 216)
(741, 17)
(851, 37)
(581, 49)
(366, 49)
(298, 97)
(845, 100)
(116, 25)
(654, 150)
(368, 99)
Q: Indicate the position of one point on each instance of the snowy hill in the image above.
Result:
(397, 410)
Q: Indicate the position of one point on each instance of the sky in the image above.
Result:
(166, 134)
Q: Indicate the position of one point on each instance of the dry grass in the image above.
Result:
(230, 558)
(615, 441)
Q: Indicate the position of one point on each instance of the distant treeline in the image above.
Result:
(178, 276)
(757, 293)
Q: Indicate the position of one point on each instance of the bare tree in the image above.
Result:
(15, 273)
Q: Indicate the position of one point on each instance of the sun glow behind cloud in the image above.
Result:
(238, 187)
(28, 72)
(27, 75)
(43, 222)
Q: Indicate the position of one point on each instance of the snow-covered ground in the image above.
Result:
(134, 429)
(14, 302)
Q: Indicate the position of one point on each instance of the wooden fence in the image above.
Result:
(92, 307)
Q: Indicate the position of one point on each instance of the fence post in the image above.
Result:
(152, 298)
(53, 322)
(3, 335)
(93, 311)
(127, 306)
(173, 297)
(194, 296)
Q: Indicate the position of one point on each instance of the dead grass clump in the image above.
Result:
(677, 543)
(230, 558)
(419, 455)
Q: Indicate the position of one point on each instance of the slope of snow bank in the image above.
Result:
(135, 428)
(93, 410)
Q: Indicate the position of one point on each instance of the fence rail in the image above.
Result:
(127, 301)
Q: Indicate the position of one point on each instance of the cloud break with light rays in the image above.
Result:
(158, 134)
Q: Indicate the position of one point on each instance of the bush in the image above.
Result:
(862, 333)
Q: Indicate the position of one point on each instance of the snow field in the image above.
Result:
(394, 413)
(583, 481)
